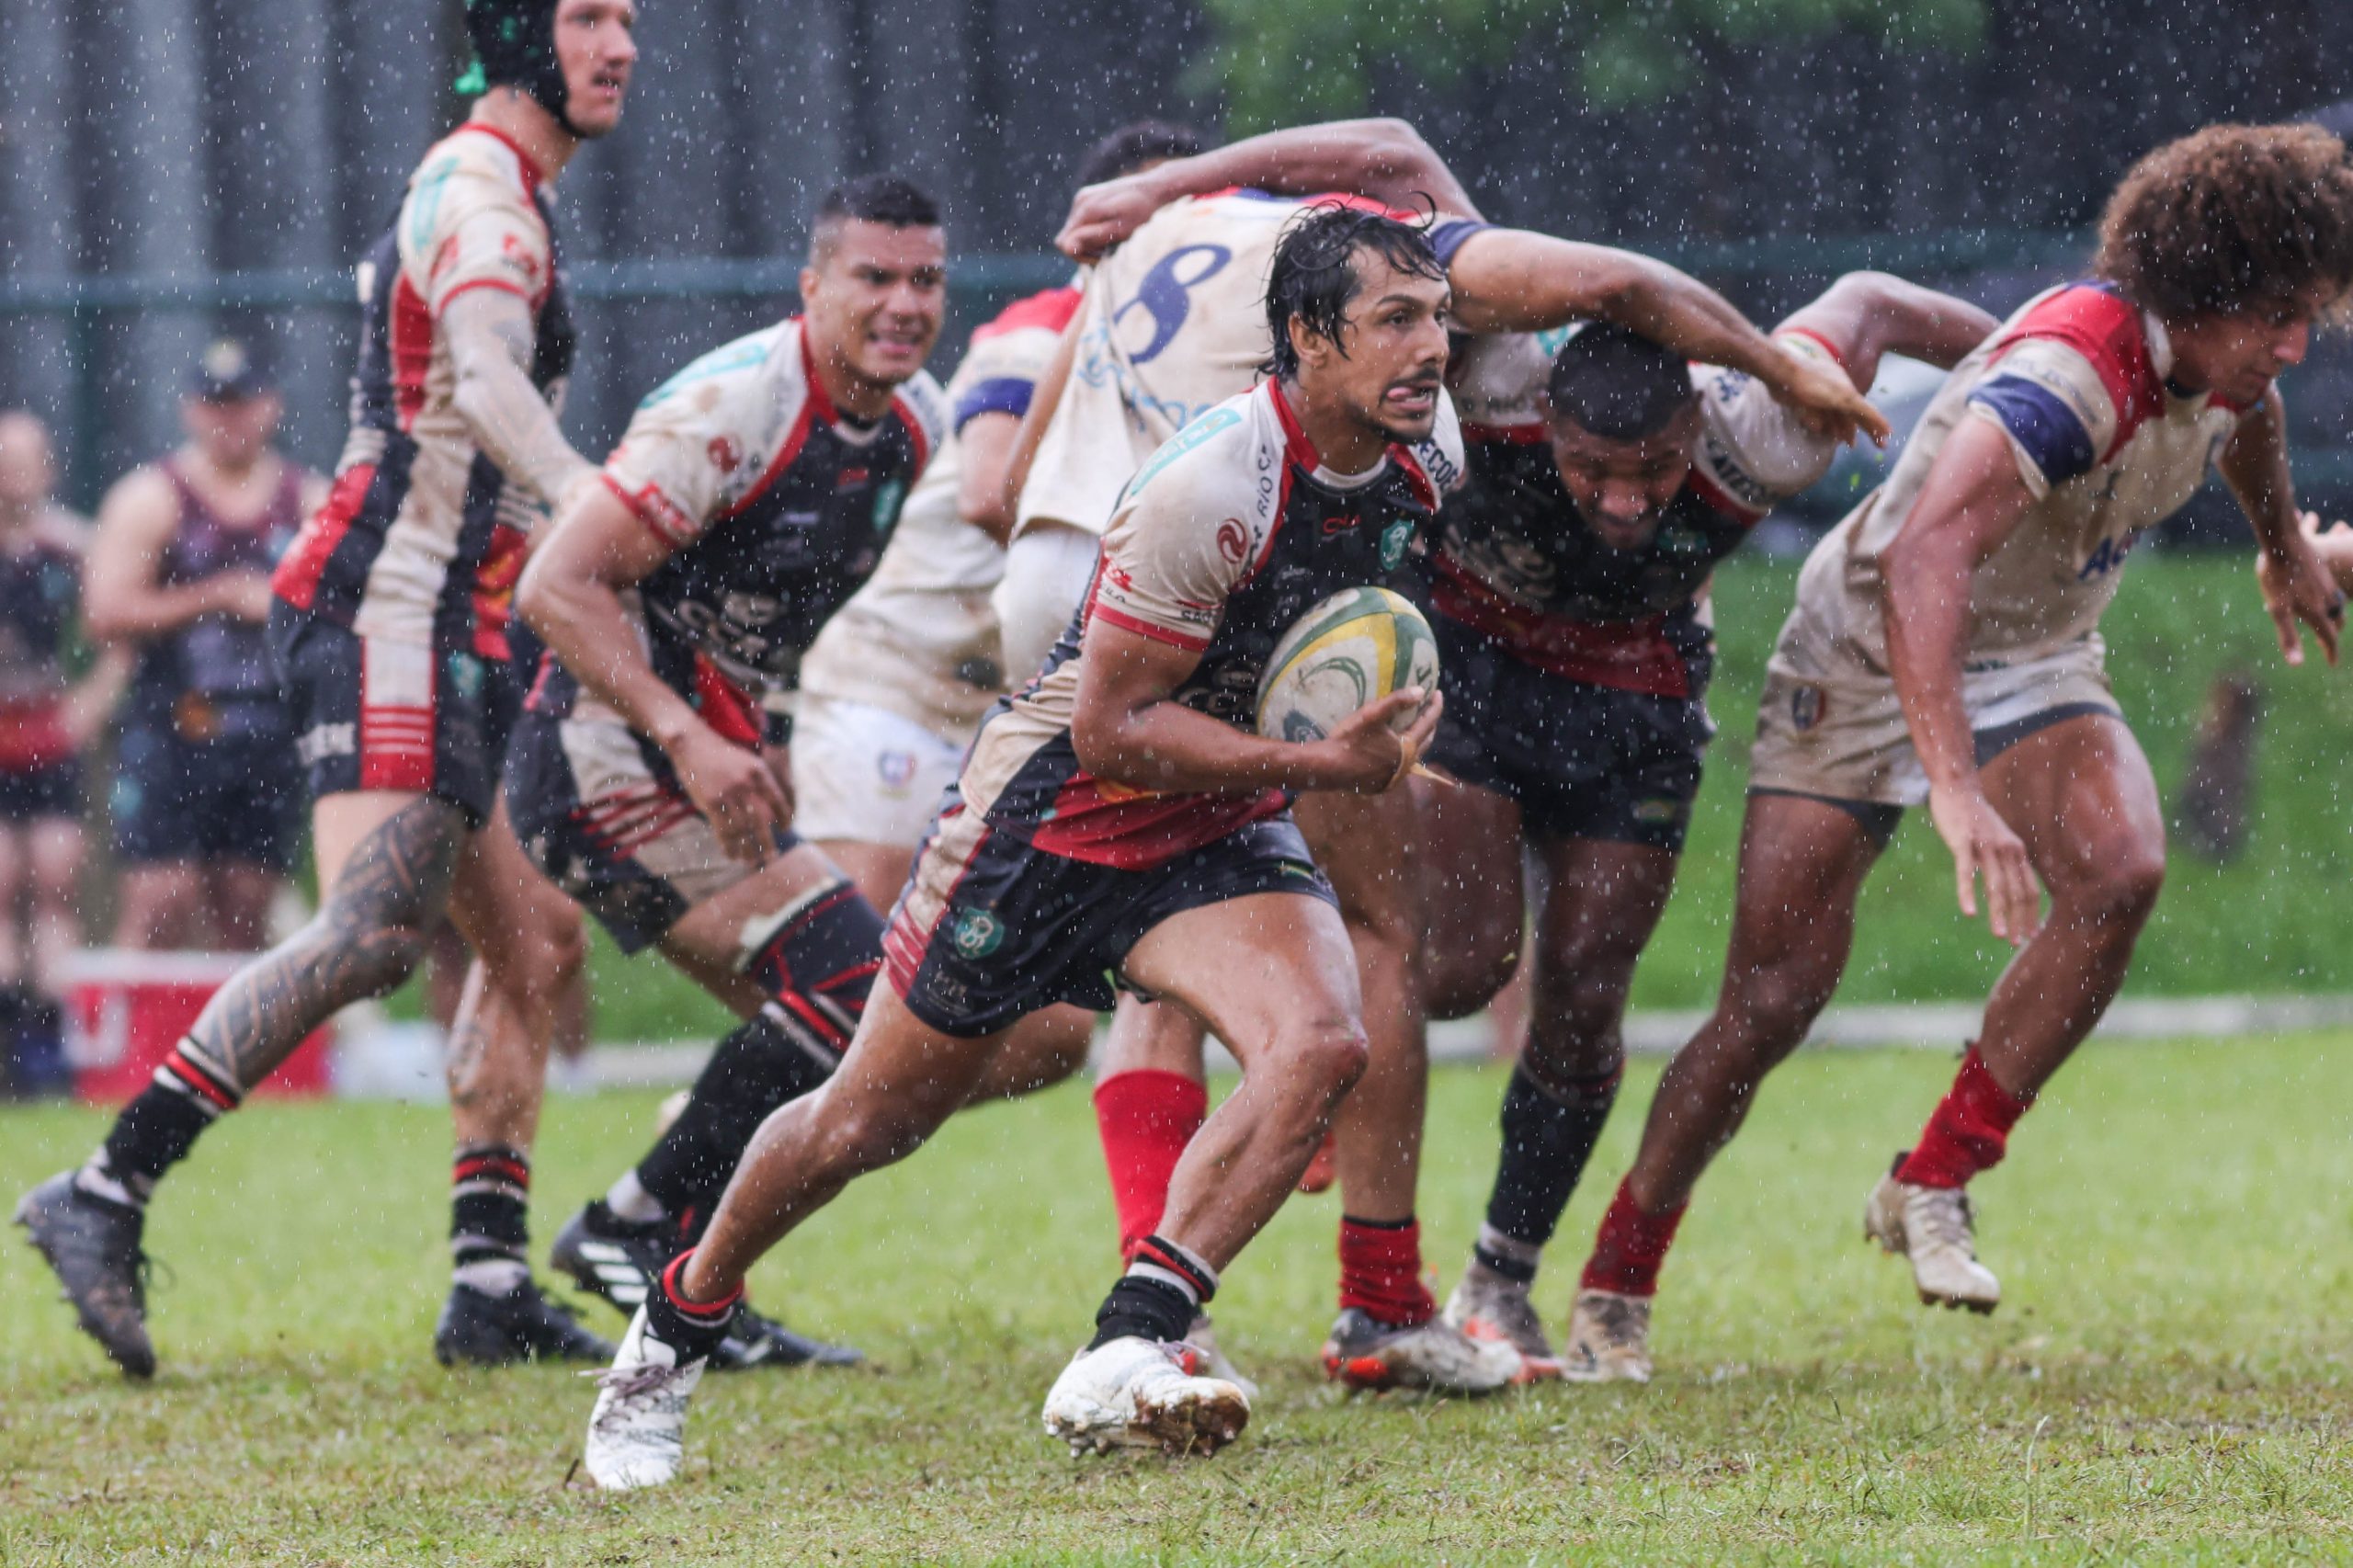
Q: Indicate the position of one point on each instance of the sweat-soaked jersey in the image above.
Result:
(1230, 533)
(2077, 381)
(777, 508)
(1173, 322)
(1516, 562)
(920, 639)
(395, 551)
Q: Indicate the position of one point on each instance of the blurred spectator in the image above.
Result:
(207, 792)
(47, 717)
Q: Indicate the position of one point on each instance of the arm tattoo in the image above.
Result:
(365, 941)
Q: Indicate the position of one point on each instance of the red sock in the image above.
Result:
(1381, 1271)
(1146, 1117)
(1631, 1246)
(1968, 1132)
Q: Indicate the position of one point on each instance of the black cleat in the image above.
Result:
(617, 1260)
(478, 1329)
(92, 1245)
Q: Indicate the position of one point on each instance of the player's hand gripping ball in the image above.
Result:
(1355, 647)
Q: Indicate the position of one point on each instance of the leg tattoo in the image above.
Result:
(369, 936)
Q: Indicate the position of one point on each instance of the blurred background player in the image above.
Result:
(47, 715)
(1944, 648)
(207, 796)
(465, 345)
(1117, 824)
(753, 494)
(1605, 482)
(1172, 323)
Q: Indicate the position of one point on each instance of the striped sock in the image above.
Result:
(489, 1205)
(158, 1128)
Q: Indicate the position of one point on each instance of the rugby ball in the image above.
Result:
(1355, 647)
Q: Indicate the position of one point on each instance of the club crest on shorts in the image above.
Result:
(897, 769)
(1806, 704)
(978, 934)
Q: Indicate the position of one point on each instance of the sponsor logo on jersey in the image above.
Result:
(1193, 435)
(1233, 542)
(887, 502)
(978, 934)
(325, 741)
(725, 455)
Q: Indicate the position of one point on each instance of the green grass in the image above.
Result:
(2168, 1382)
(2261, 926)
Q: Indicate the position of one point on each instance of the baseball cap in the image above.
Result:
(228, 372)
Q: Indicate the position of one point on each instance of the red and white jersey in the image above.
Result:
(1174, 324)
(1229, 535)
(921, 638)
(2077, 382)
(396, 550)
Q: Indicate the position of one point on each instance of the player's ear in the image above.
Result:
(1306, 341)
(809, 277)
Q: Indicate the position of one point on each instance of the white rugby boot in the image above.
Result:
(1139, 1393)
(1365, 1353)
(1609, 1339)
(1486, 1305)
(1202, 1337)
(1936, 1228)
(637, 1432)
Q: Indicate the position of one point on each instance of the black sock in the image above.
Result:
(1546, 1142)
(754, 1070)
(692, 1329)
(1158, 1298)
(490, 1206)
(158, 1128)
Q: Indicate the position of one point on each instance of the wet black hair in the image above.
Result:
(1618, 384)
(1315, 275)
(879, 199)
(1130, 147)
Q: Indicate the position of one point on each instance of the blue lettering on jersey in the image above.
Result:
(1165, 294)
(2108, 556)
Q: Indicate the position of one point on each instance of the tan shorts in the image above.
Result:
(1845, 740)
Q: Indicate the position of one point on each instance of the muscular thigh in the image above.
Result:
(2082, 796)
(1253, 969)
(1365, 844)
(501, 899)
(1469, 868)
(1602, 901)
(711, 934)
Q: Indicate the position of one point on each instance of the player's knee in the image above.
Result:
(1330, 1054)
(2120, 886)
(1457, 985)
(1770, 1006)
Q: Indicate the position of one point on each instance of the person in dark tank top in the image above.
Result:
(207, 796)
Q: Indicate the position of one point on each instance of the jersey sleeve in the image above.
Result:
(921, 402)
(1010, 354)
(1754, 447)
(695, 447)
(462, 229)
(1186, 535)
(1440, 453)
(2055, 406)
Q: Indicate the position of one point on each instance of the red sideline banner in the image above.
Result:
(125, 1010)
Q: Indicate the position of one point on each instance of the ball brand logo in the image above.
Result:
(978, 933)
(1232, 541)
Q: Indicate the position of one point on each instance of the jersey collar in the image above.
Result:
(532, 176)
(1299, 450)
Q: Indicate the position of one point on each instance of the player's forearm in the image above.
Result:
(1515, 281)
(2254, 463)
(1384, 159)
(1044, 400)
(128, 612)
(585, 623)
(1925, 606)
(491, 344)
(1167, 748)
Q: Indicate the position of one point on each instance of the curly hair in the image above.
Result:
(2229, 217)
(1314, 274)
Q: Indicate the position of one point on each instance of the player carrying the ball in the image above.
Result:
(1119, 826)
(1945, 649)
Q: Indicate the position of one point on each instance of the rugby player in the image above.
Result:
(1945, 649)
(207, 793)
(47, 716)
(1119, 822)
(750, 498)
(1605, 480)
(465, 343)
(1169, 328)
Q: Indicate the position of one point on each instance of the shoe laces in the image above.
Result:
(635, 1382)
(1621, 1318)
(1944, 1217)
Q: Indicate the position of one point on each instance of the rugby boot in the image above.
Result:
(637, 1432)
(1485, 1305)
(478, 1329)
(93, 1247)
(1609, 1339)
(1136, 1393)
(1365, 1353)
(615, 1259)
(1936, 1228)
(1202, 1337)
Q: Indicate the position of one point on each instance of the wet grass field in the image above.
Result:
(2167, 1382)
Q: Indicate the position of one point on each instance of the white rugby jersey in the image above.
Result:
(397, 550)
(1174, 324)
(921, 638)
(2076, 381)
